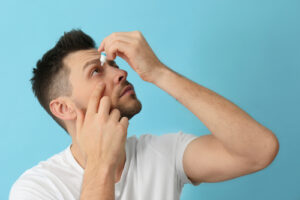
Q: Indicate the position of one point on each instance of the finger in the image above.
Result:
(124, 121)
(95, 97)
(101, 47)
(117, 36)
(104, 107)
(117, 47)
(115, 115)
(124, 57)
(122, 36)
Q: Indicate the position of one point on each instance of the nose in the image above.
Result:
(120, 76)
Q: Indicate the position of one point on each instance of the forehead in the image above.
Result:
(79, 58)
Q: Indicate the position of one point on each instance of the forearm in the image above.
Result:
(237, 131)
(98, 183)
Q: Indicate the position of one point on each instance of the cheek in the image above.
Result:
(83, 92)
(81, 96)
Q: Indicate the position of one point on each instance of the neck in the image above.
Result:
(77, 154)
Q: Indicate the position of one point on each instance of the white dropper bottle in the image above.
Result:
(102, 58)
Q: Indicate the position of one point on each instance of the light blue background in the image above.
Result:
(247, 51)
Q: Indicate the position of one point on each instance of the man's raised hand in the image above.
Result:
(134, 49)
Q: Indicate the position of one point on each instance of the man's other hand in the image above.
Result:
(101, 134)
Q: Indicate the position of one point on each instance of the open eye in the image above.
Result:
(95, 71)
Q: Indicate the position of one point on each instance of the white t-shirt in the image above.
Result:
(153, 171)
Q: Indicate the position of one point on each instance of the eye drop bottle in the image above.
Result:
(102, 58)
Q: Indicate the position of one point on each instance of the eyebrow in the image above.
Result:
(88, 63)
(97, 61)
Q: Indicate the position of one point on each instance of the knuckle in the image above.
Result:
(116, 110)
(114, 35)
(136, 42)
(94, 97)
(120, 127)
(116, 42)
(125, 119)
(102, 120)
(138, 33)
(108, 52)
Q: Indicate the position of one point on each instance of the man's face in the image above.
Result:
(86, 72)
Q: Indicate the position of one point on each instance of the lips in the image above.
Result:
(129, 87)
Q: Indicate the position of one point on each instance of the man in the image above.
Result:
(94, 102)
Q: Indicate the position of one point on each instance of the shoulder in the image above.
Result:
(31, 184)
(38, 182)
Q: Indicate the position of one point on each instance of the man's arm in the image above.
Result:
(101, 135)
(98, 182)
(238, 145)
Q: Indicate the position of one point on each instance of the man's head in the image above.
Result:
(68, 73)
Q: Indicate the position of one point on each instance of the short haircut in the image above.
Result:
(50, 78)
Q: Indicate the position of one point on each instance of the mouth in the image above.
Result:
(127, 90)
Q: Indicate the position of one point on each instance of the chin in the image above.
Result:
(130, 108)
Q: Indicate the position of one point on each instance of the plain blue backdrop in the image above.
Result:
(247, 51)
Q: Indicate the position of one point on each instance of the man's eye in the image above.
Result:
(95, 71)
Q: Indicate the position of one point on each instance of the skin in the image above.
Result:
(84, 80)
(238, 144)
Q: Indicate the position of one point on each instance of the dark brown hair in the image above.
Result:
(50, 78)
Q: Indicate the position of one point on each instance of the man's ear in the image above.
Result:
(62, 108)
